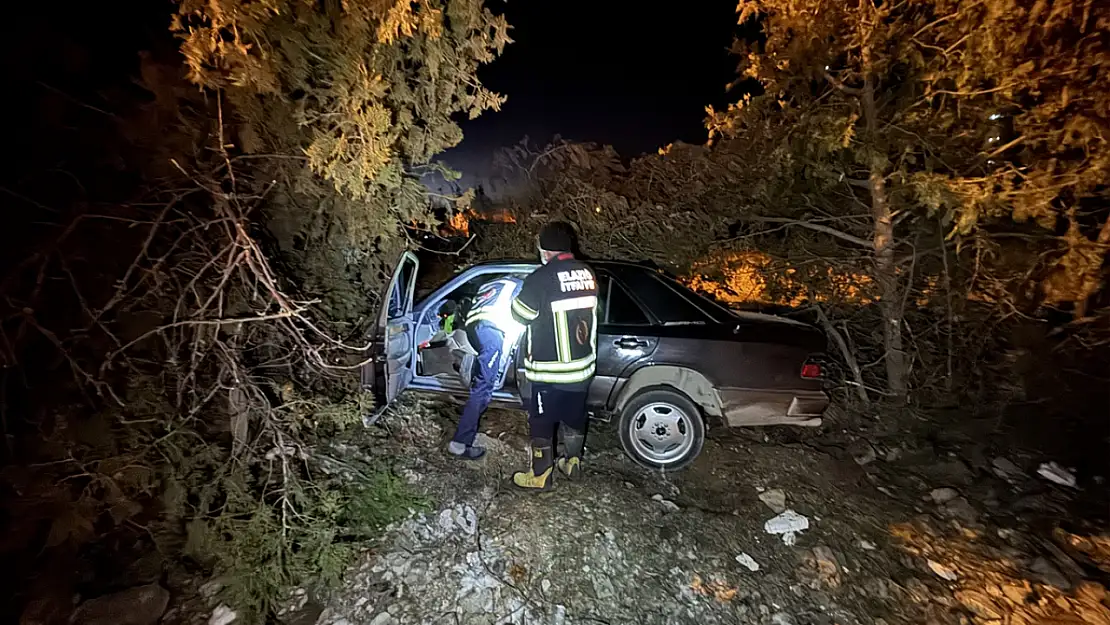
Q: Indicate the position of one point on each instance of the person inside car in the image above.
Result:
(445, 323)
(488, 324)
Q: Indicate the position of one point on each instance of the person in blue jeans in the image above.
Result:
(488, 323)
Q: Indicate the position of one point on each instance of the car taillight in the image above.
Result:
(811, 370)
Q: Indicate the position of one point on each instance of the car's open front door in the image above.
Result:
(523, 386)
(390, 366)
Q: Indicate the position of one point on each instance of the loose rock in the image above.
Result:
(775, 499)
(142, 605)
(863, 453)
(960, 508)
(1049, 574)
(827, 568)
(943, 495)
(951, 471)
(979, 604)
(1016, 594)
(942, 571)
(747, 562)
(1056, 474)
(211, 588)
(1005, 469)
(666, 503)
(222, 615)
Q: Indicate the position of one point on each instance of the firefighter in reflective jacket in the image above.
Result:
(558, 304)
(492, 332)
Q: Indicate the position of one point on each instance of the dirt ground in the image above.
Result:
(925, 534)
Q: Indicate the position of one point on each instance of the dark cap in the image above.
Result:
(558, 236)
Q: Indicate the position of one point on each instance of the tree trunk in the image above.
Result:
(890, 305)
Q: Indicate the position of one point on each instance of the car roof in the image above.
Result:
(654, 268)
(646, 265)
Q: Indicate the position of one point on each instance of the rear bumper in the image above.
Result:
(747, 407)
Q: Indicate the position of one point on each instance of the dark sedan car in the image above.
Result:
(670, 361)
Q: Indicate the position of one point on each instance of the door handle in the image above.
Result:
(630, 343)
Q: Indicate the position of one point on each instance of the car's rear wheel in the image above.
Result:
(661, 428)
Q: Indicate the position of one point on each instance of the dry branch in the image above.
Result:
(845, 353)
(844, 236)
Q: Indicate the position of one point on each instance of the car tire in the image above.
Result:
(661, 429)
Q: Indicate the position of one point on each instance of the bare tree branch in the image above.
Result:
(818, 227)
(836, 82)
(849, 357)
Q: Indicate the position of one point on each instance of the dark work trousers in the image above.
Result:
(551, 404)
(487, 340)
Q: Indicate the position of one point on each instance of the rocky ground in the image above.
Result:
(850, 524)
(896, 534)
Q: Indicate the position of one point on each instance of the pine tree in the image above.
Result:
(926, 110)
(363, 92)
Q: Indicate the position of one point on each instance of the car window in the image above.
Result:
(708, 304)
(622, 309)
(668, 305)
(399, 295)
(615, 305)
(603, 281)
(463, 295)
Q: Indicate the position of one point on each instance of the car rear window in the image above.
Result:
(621, 309)
(668, 305)
(712, 307)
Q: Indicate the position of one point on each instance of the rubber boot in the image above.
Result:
(539, 477)
(574, 441)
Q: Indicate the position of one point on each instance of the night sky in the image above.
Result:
(631, 74)
(634, 75)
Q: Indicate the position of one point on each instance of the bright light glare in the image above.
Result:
(995, 116)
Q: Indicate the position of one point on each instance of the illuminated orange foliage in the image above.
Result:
(755, 277)
(500, 217)
(459, 223)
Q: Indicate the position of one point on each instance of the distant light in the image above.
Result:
(597, 209)
(991, 139)
(826, 68)
(995, 116)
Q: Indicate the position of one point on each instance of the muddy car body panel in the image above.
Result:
(654, 334)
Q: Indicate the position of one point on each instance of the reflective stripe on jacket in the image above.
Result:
(558, 303)
(494, 303)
